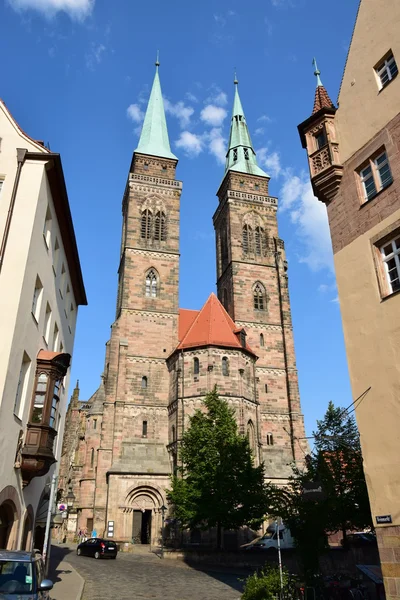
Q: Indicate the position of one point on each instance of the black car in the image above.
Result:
(98, 548)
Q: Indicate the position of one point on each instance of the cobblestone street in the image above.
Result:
(146, 576)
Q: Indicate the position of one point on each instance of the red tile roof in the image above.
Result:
(321, 99)
(211, 326)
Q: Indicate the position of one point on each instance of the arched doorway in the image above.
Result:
(144, 506)
(8, 522)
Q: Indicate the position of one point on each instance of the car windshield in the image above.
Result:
(15, 577)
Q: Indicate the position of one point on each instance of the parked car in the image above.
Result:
(98, 548)
(360, 539)
(22, 575)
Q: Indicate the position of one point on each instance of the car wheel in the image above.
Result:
(97, 554)
(79, 551)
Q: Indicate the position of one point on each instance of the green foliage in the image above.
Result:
(218, 486)
(266, 585)
(336, 464)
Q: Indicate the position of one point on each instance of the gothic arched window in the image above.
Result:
(225, 366)
(259, 298)
(146, 224)
(92, 457)
(251, 435)
(144, 382)
(260, 241)
(196, 366)
(261, 340)
(151, 284)
(159, 227)
(247, 238)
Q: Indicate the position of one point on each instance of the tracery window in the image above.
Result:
(246, 153)
(259, 297)
(247, 239)
(146, 224)
(159, 227)
(151, 284)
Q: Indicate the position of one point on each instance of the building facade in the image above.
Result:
(121, 445)
(354, 158)
(41, 288)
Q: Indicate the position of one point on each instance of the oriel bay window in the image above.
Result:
(37, 452)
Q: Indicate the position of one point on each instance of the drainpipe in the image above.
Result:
(21, 153)
(284, 348)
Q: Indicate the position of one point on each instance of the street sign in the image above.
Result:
(384, 519)
(313, 491)
(62, 507)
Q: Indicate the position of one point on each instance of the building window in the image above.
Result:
(146, 166)
(390, 255)
(47, 227)
(56, 335)
(256, 186)
(247, 239)
(144, 429)
(159, 227)
(40, 393)
(386, 70)
(260, 241)
(92, 457)
(376, 176)
(225, 366)
(146, 224)
(246, 153)
(196, 366)
(55, 403)
(22, 386)
(241, 183)
(94, 423)
(266, 388)
(151, 284)
(261, 340)
(56, 256)
(251, 435)
(144, 382)
(173, 433)
(37, 299)
(1, 184)
(270, 439)
(63, 280)
(164, 168)
(259, 297)
(243, 338)
(320, 139)
(234, 154)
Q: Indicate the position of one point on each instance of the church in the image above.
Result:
(121, 446)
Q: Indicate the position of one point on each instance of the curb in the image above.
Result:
(82, 582)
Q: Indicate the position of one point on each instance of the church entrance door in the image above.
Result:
(141, 526)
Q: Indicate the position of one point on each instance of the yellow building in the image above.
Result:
(354, 159)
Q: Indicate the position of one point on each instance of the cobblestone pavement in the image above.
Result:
(142, 576)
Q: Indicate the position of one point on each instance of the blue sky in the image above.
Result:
(77, 74)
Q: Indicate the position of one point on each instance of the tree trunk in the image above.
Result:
(219, 536)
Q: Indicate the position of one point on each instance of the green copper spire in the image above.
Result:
(154, 137)
(241, 156)
(317, 72)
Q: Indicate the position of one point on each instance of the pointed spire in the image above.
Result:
(241, 156)
(321, 99)
(154, 137)
(75, 395)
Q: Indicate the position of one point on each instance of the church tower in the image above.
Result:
(132, 457)
(252, 285)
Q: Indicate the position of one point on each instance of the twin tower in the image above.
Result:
(161, 360)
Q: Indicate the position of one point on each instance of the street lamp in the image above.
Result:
(70, 497)
(163, 511)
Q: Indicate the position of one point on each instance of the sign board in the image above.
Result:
(383, 519)
(313, 491)
(62, 507)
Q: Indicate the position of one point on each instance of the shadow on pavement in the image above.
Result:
(57, 555)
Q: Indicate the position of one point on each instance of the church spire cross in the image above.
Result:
(317, 72)
(241, 156)
(154, 136)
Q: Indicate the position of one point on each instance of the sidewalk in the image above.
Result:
(68, 584)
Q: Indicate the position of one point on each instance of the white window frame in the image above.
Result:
(47, 228)
(395, 254)
(1, 184)
(375, 175)
(383, 70)
(22, 387)
(37, 299)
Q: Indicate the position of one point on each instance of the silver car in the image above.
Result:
(22, 576)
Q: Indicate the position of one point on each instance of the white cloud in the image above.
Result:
(220, 20)
(268, 26)
(135, 113)
(213, 115)
(179, 110)
(95, 55)
(217, 145)
(190, 143)
(76, 9)
(309, 216)
(191, 97)
(271, 161)
(265, 119)
(259, 131)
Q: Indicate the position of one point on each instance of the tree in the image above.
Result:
(336, 465)
(218, 484)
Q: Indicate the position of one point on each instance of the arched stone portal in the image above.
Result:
(9, 518)
(142, 515)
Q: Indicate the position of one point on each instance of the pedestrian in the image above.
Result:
(94, 533)
(80, 535)
(85, 535)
